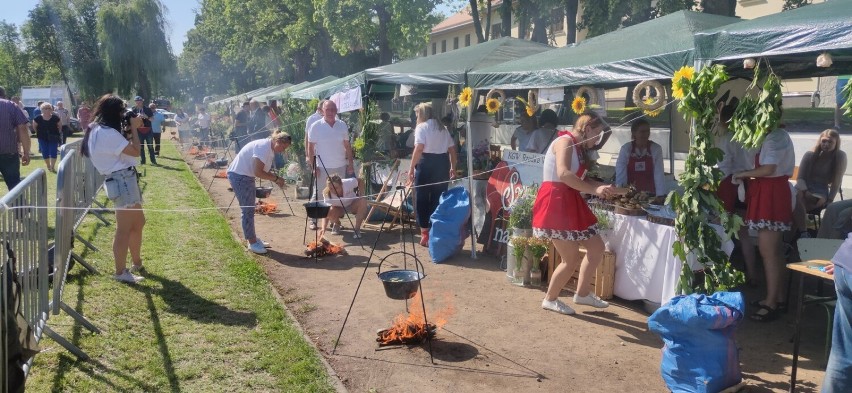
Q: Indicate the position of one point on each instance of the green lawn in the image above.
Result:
(205, 319)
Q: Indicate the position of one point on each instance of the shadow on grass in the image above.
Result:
(182, 300)
(92, 367)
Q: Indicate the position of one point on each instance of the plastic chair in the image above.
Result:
(821, 249)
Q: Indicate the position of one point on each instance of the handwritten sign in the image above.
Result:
(349, 100)
(508, 180)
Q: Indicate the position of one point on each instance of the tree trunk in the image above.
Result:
(385, 54)
(506, 15)
(488, 20)
(539, 33)
(720, 7)
(571, 8)
(477, 24)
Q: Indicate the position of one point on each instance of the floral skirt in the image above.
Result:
(560, 212)
(770, 204)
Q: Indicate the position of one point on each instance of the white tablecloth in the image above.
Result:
(644, 265)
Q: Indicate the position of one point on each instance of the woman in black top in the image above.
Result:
(49, 133)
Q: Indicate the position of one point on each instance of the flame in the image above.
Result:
(265, 207)
(193, 150)
(410, 328)
(323, 248)
(222, 174)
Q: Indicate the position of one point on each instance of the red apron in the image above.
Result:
(640, 171)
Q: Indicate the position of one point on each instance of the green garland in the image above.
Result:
(847, 98)
(699, 205)
(755, 118)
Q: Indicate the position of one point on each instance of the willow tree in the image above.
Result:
(134, 46)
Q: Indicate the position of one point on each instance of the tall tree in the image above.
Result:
(477, 22)
(506, 18)
(17, 67)
(45, 36)
(133, 40)
(392, 28)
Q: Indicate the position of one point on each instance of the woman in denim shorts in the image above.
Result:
(114, 154)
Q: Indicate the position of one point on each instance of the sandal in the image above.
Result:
(768, 314)
(780, 306)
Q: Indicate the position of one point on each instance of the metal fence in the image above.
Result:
(23, 232)
(84, 189)
(67, 205)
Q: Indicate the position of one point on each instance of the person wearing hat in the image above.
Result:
(145, 135)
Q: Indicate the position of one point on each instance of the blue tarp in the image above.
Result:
(700, 352)
(449, 224)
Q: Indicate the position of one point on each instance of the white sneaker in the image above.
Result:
(127, 277)
(335, 229)
(264, 242)
(257, 248)
(590, 300)
(557, 306)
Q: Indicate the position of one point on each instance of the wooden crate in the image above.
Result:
(602, 281)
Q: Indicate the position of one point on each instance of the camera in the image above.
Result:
(125, 121)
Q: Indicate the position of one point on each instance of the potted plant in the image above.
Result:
(520, 212)
(538, 248)
(515, 253)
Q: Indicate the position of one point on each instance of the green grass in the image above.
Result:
(205, 319)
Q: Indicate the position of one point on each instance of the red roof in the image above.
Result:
(460, 19)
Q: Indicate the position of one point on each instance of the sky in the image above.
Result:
(180, 17)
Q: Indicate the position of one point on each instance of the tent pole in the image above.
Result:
(469, 148)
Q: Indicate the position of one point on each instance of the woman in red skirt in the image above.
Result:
(770, 212)
(561, 214)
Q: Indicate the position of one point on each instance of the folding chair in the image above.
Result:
(390, 200)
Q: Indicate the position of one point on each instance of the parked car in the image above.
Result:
(75, 125)
(170, 118)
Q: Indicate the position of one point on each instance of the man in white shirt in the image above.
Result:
(313, 118)
(204, 120)
(329, 151)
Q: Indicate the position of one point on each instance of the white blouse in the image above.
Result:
(434, 138)
(777, 149)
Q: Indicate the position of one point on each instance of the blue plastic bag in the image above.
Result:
(449, 224)
(700, 352)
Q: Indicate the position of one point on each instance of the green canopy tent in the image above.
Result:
(452, 67)
(789, 40)
(326, 89)
(304, 85)
(247, 95)
(651, 50)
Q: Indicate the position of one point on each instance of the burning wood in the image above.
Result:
(265, 207)
(408, 334)
(410, 329)
(221, 174)
(322, 249)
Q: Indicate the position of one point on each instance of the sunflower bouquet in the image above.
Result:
(465, 97)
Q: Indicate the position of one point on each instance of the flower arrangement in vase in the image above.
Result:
(538, 247)
(520, 212)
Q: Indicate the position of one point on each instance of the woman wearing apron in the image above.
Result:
(561, 214)
(769, 211)
(433, 165)
(640, 162)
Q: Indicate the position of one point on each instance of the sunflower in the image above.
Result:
(529, 109)
(653, 113)
(464, 97)
(677, 92)
(493, 105)
(685, 72)
(579, 105)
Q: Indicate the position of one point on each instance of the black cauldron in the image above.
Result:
(401, 284)
(317, 209)
(262, 192)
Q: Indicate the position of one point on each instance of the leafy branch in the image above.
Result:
(755, 118)
(699, 205)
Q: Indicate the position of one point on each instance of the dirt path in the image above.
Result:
(497, 339)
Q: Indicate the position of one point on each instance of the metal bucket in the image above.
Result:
(262, 192)
(401, 284)
(317, 209)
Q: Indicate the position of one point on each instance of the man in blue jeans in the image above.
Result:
(145, 135)
(14, 141)
(838, 374)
